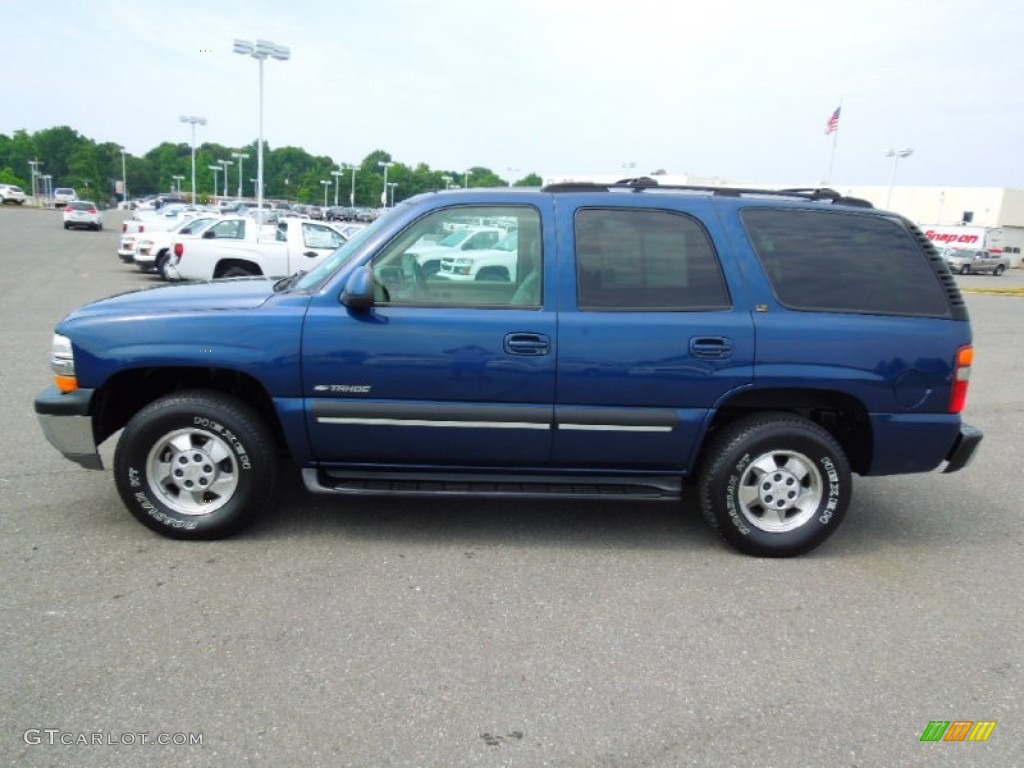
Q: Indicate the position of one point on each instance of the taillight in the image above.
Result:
(93, 210)
(142, 228)
(178, 249)
(961, 378)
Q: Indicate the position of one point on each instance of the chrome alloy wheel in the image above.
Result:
(780, 491)
(192, 471)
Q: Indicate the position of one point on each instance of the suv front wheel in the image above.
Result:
(774, 485)
(198, 464)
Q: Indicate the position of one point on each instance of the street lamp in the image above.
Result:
(447, 181)
(325, 183)
(34, 165)
(336, 175)
(896, 155)
(178, 178)
(124, 178)
(260, 51)
(352, 194)
(511, 175)
(47, 189)
(240, 156)
(216, 169)
(226, 163)
(465, 182)
(194, 121)
(391, 186)
(384, 191)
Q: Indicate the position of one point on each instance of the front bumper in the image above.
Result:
(964, 448)
(66, 423)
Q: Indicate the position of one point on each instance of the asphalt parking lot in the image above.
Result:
(409, 633)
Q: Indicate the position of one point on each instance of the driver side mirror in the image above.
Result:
(359, 291)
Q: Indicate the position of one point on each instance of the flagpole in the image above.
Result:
(832, 156)
(835, 141)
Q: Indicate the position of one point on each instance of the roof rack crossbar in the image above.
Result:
(643, 183)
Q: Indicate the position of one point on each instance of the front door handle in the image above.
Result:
(532, 344)
(711, 347)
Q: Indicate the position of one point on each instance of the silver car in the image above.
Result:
(975, 262)
(82, 213)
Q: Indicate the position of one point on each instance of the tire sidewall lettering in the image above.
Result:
(228, 436)
(153, 511)
(831, 475)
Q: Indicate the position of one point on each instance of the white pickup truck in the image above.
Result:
(237, 246)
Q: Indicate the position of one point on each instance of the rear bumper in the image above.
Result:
(964, 448)
(67, 424)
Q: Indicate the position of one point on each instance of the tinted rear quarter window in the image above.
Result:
(844, 262)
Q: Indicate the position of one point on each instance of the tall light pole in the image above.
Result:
(34, 165)
(240, 156)
(47, 188)
(511, 173)
(447, 181)
(336, 175)
(178, 178)
(352, 194)
(216, 169)
(384, 191)
(465, 181)
(896, 155)
(261, 51)
(194, 121)
(124, 178)
(391, 186)
(325, 183)
(225, 164)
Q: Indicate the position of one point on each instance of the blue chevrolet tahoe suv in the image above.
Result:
(759, 346)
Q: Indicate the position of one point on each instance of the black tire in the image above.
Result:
(67, 226)
(1000, 268)
(226, 454)
(236, 271)
(965, 269)
(161, 263)
(497, 274)
(774, 485)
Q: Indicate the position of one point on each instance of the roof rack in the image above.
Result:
(642, 183)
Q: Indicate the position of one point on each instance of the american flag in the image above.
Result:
(833, 122)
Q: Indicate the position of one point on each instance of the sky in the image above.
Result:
(738, 90)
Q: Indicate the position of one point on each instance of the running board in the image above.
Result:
(384, 483)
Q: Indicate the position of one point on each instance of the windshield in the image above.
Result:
(455, 238)
(319, 274)
(192, 226)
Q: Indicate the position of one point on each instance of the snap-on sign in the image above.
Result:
(951, 237)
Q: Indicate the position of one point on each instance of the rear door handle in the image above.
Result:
(711, 347)
(533, 344)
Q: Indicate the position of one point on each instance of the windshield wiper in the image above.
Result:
(287, 282)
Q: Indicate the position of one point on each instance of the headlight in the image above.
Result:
(62, 362)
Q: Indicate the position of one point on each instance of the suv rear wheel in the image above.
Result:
(774, 485)
(197, 464)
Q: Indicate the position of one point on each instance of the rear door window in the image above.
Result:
(646, 260)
